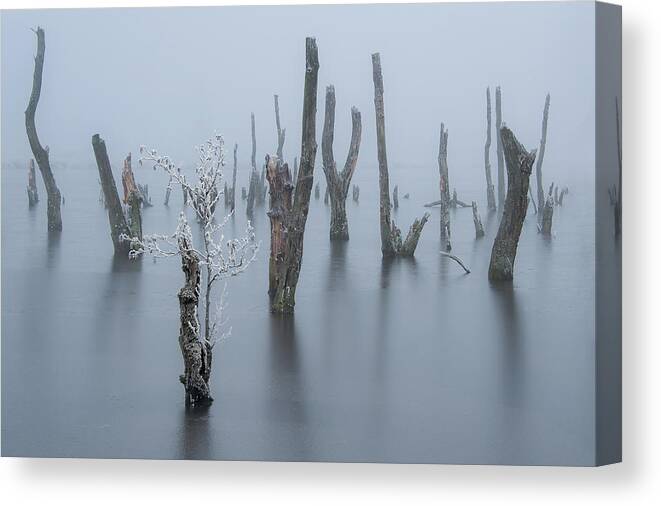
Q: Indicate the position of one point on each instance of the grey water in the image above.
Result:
(384, 361)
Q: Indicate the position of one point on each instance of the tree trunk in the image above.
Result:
(279, 178)
(491, 198)
(356, 193)
(196, 354)
(254, 177)
(540, 157)
(519, 168)
(281, 131)
(118, 226)
(283, 298)
(337, 184)
(477, 221)
(444, 186)
(233, 191)
(295, 178)
(133, 199)
(499, 151)
(391, 237)
(395, 197)
(547, 214)
(33, 195)
(41, 155)
(326, 196)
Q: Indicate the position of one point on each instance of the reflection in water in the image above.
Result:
(195, 436)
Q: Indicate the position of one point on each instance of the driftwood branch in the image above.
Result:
(456, 259)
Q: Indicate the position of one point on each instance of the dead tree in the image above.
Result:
(168, 190)
(284, 276)
(540, 158)
(280, 184)
(499, 150)
(118, 226)
(491, 198)
(281, 131)
(41, 154)
(519, 168)
(395, 197)
(444, 186)
(233, 190)
(391, 237)
(355, 193)
(455, 202)
(456, 259)
(477, 221)
(33, 195)
(546, 223)
(132, 198)
(254, 177)
(337, 183)
(295, 178)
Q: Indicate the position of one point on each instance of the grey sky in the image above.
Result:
(170, 77)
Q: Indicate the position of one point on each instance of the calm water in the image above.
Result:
(404, 361)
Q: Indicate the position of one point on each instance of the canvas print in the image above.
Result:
(351, 233)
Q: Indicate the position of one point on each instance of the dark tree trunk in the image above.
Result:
(444, 186)
(547, 214)
(133, 199)
(337, 184)
(519, 168)
(118, 226)
(540, 156)
(477, 221)
(499, 150)
(281, 131)
(40, 154)
(33, 195)
(395, 197)
(279, 178)
(283, 296)
(196, 354)
(391, 237)
(491, 198)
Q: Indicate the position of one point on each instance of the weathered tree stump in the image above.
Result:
(444, 186)
(391, 237)
(281, 131)
(280, 184)
(133, 199)
(547, 214)
(337, 184)
(491, 198)
(118, 226)
(477, 221)
(41, 154)
(285, 277)
(168, 191)
(540, 157)
(499, 150)
(33, 194)
(519, 168)
(196, 354)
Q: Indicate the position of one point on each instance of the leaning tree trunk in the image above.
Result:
(337, 184)
(33, 195)
(118, 226)
(40, 154)
(491, 198)
(541, 198)
(547, 214)
(196, 354)
(477, 221)
(285, 278)
(281, 131)
(499, 151)
(519, 168)
(444, 186)
(391, 237)
(133, 199)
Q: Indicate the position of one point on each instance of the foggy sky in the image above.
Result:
(170, 77)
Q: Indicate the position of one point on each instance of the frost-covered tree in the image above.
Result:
(214, 259)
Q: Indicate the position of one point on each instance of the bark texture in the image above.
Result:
(41, 154)
(499, 150)
(395, 197)
(196, 354)
(33, 194)
(281, 131)
(280, 184)
(283, 297)
(477, 221)
(491, 197)
(444, 185)
(519, 168)
(118, 225)
(391, 237)
(337, 184)
(540, 157)
(132, 198)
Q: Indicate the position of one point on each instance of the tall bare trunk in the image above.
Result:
(283, 298)
(499, 150)
(118, 225)
(33, 194)
(519, 168)
(281, 131)
(233, 194)
(477, 221)
(337, 184)
(540, 157)
(391, 237)
(491, 198)
(41, 155)
(444, 186)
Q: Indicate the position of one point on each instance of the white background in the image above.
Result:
(636, 481)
